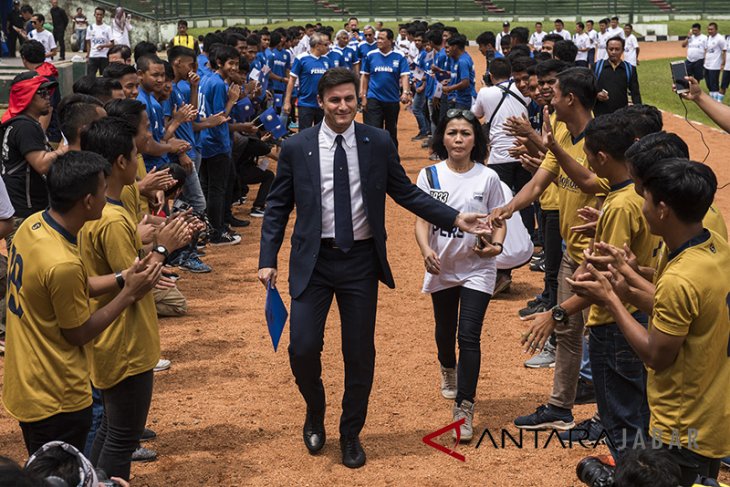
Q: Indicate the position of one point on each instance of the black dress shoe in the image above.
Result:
(314, 435)
(353, 456)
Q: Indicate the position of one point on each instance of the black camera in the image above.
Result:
(594, 473)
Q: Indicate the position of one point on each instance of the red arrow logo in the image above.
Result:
(428, 439)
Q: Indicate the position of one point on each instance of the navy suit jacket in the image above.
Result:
(298, 184)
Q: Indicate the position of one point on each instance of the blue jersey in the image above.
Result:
(385, 71)
(203, 66)
(309, 69)
(364, 48)
(157, 127)
(461, 69)
(279, 62)
(213, 99)
(185, 132)
(354, 40)
(343, 57)
(425, 61)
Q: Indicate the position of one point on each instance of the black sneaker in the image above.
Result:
(537, 265)
(538, 255)
(225, 239)
(235, 222)
(585, 394)
(534, 306)
(588, 430)
(546, 417)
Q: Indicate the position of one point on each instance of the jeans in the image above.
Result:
(420, 105)
(619, 379)
(515, 176)
(125, 413)
(192, 191)
(96, 64)
(97, 413)
(569, 337)
(81, 37)
(696, 68)
(553, 247)
(585, 362)
(459, 313)
(383, 115)
(309, 117)
(433, 113)
(214, 175)
(69, 427)
(712, 78)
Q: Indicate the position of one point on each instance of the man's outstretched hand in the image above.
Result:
(475, 223)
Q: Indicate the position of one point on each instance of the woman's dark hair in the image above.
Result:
(479, 151)
(336, 77)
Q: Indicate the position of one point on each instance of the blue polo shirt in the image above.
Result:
(462, 68)
(346, 56)
(157, 127)
(279, 62)
(181, 96)
(385, 71)
(364, 48)
(309, 69)
(212, 99)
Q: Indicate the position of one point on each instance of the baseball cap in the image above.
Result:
(505, 24)
(32, 74)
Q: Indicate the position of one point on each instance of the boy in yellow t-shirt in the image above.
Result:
(46, 377)
(122, 358)
(687, 345)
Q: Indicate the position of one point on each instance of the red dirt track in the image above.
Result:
(228, 411)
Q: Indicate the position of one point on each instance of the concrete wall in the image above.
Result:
(144, 29)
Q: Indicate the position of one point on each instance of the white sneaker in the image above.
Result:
(162, 364)
(466, 411)
(448, 382)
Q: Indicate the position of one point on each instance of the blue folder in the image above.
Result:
(276, 314)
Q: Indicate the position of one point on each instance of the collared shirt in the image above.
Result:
(385, 70)
(308, 69)
(327, 147)
(696, 46)
(713, 57)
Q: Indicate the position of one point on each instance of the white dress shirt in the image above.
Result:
(327, 147)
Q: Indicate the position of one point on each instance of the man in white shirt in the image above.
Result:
(537, 37)
(583, 42)
(631, 47)
(615, 30)
(696, 44)
(505, 32)
(726, 69)
(594, 42)
(43, 36)
(98, 42)
(560, 30)
(602, 38)
(714, 59)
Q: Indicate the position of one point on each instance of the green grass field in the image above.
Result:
(473, 29)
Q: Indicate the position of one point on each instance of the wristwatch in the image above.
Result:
(559, 314)
(120, 279)
(160, 249)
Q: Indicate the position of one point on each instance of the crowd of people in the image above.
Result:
(108, 190)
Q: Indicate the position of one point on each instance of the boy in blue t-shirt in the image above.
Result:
(460, 88)
(420, 100)
(215, 97)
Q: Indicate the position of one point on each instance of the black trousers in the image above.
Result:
(12, 42)
(96, 64)
(214, 177)
(351, 278)
(383, 115)
(553, 246)
(61, 43)
(252, 174)
(693, 464)
(309, 117)
(71, 428)
(125, 413)
(459, 314)
(515, 176)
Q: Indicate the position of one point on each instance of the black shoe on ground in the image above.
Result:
(353, 456)
(585, 393)
(148, 434)
(537, 265)
(142, 454)
(314, 435)
(534, 306)
(225, 239)
(235, 222)
(419, 137)
(538, 255)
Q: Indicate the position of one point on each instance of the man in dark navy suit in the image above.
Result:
(337, 174)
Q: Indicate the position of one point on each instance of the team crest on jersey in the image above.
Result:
(442, 196)
(36, 226)
(395, 63)
(712, 248)
(478, 196)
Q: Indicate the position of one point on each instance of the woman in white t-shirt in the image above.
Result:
(460, 268)
(121, 25)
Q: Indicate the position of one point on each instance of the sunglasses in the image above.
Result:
(369, 35)
(43, 92)
(458, 112)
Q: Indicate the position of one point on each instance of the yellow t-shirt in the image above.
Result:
(549, 197)
(48, 290)
(130, 345)
(132, 201)
(713, 221)
(570, 197)
(622, 222)
(186, 41)
(692, 298)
